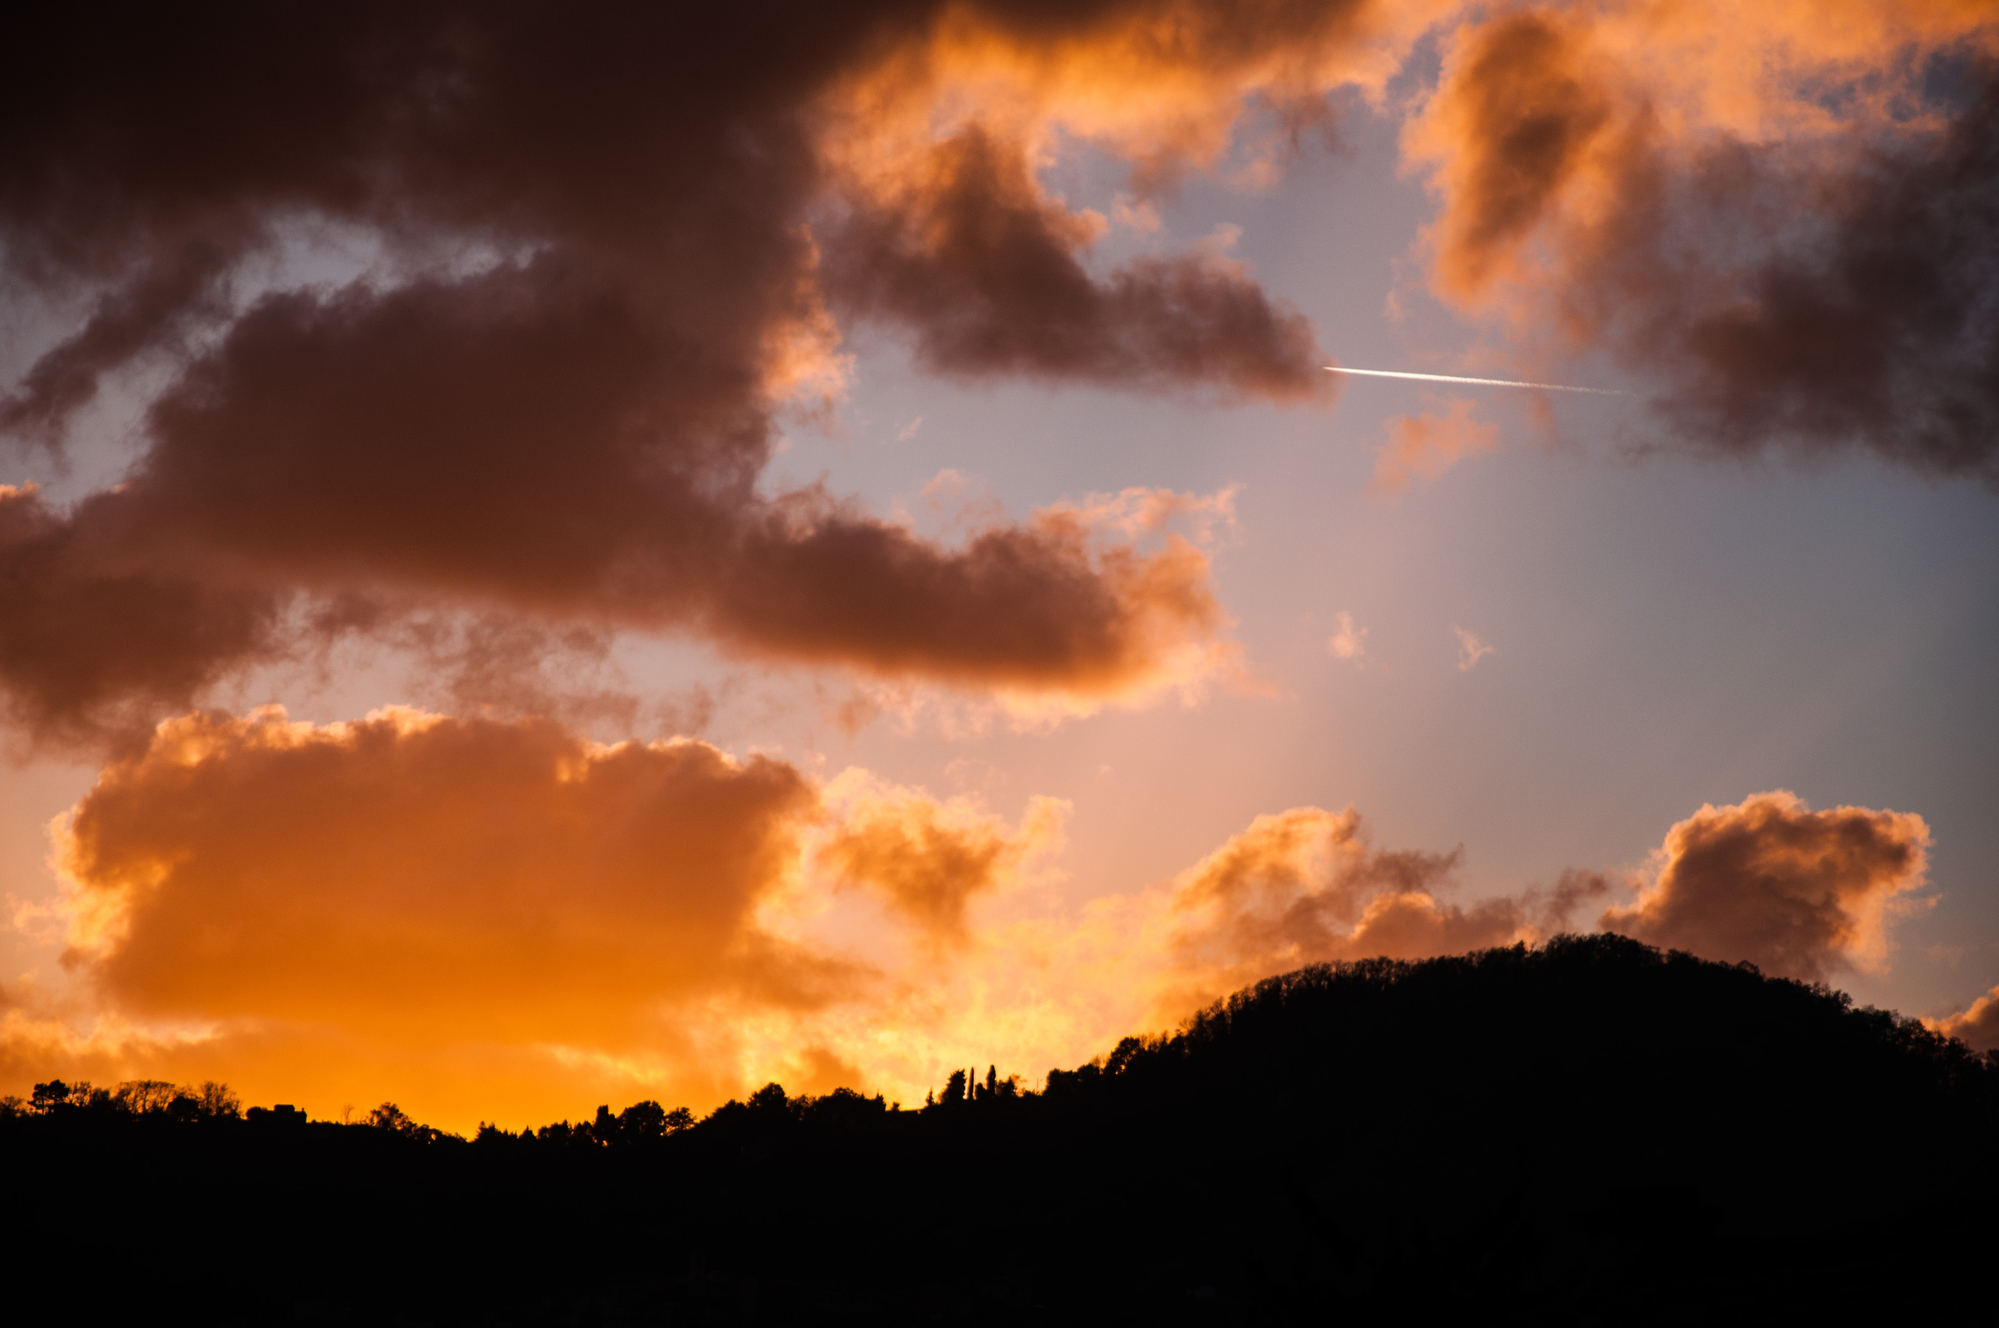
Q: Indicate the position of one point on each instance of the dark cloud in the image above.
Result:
(141, 315)
(1801, 260)
(1879, 333)
(554, 392)
(92, 638)
(988, 272)
(607, 245)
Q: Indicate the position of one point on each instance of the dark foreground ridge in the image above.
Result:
(1589, 1132)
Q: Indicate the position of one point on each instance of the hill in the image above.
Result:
(1590, 1131)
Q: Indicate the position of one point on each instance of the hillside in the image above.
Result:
(1591, 1131)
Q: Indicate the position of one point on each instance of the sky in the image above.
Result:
(558, 555)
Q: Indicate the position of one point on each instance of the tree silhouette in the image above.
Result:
(145, 1097)
(217, 1102)
(390, 1119)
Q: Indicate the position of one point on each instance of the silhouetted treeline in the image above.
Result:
(1589, 1132)
(135, 1097)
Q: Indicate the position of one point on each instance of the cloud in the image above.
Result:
(530, 399)
(668, 223)
(486, 916)
(1471, 650)
(1425, 446)
(1349, 642)
(987, 271)
(1977, 1027)
(1305, 886)
(929, 861)
(91, 633)
(1798, 893)
(1510, 127)
(168, 293)
(1786, 229)
(322, 457)
(421, 876)
(908, 431)
(479, 917)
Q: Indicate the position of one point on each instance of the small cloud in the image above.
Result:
(1219, 241)
(962, 502)
(1139, 216)
(1425, 446)
(1349, 642)
(908, 430)
(947, 483)
(1471, 650)
(1950, 955)
(1977, 1027)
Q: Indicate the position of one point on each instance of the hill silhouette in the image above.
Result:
(1587, 1132)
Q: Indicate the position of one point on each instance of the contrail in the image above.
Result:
(1484, 382)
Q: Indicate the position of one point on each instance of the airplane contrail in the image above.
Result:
(1485, 382)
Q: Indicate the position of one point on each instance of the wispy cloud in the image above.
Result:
(1423, 447)
(1349, 642)
(1471, 650)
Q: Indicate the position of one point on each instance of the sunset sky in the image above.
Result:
(565, 554)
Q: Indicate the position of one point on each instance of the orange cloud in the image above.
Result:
(929, 861)
(1425, 446)
(1798, 893)
(411, 875)
(1348, 642)
(479, 918)
(1510, 132)
(1305, 887)
(1164, 85)
(1471, 649)
(1977, 1027)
